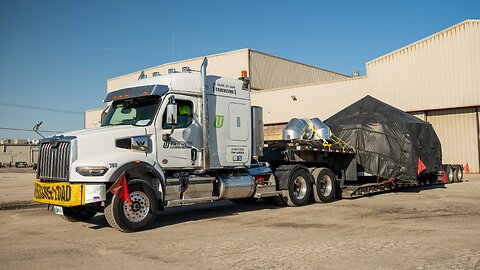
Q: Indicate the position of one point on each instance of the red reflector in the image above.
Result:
(259, 178)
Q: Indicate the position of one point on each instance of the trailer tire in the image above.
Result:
(139, 216)
(299, 184)
(458, 175)
(78, 213)
(450, 174)
(324, 185)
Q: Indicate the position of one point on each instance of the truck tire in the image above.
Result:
(139, 216)
(324, 185)
(458, 175)
(78, 213)
(299, 184)
(449, 174)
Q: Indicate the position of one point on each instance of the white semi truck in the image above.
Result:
(184, 138)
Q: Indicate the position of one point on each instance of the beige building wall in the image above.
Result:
(436, 73)
(457, 130)
(93, 118)
(268, 71)
(11, 153)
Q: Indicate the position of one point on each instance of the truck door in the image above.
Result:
(181, 151)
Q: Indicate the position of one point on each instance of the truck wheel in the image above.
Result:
(458, 175)
(450, 174)
(138, 216)
(78, 213)
(299, 187)
(325, 186)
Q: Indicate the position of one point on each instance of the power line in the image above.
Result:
(24, 129)
(39, 108)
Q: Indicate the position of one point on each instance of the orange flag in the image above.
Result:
(421, 167)
(120, 189)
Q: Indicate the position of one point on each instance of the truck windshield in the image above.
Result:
(137, 112)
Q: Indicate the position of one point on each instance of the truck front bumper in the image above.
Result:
(67, 194)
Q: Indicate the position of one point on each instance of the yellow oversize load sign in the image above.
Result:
(61, 193)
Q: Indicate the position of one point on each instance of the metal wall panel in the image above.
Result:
(440, 71)
(458, 133)
(228, 64)
(93, 117)
(420, 115)
(268, 71)
(316, 100)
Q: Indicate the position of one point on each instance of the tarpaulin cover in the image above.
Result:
(389, 142)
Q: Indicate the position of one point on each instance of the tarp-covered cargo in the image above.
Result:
(390, 143)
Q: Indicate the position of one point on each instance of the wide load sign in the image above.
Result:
(62, 194)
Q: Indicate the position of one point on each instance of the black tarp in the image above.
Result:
(389, 142)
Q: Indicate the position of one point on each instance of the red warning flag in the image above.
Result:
(466, 169)
(120, 189)
(421, 167)
(444, 177)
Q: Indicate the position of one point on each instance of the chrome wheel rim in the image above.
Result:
(459, 175)
(299, 187)
(139, 209)
(450, 175)
(326, 185)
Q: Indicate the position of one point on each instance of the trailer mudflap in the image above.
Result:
(59, 193)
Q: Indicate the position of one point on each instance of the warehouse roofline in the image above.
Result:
(449, 29)
(299, 63)
(226, 53)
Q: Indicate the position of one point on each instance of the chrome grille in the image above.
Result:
(54, 161)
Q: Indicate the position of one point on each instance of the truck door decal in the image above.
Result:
(219, 121)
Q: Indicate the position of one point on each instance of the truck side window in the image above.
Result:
(184, 113)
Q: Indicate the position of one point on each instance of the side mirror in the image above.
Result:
(172, 112)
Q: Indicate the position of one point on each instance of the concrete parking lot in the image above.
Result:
(430, 228)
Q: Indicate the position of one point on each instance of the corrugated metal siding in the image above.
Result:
(438, 72)
(420, 115)
(228, 64)
(269, 71)
(93, 117)
(457, 130)
(318, 100)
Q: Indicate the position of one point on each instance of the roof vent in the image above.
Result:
(156, 73)
(185, 69)
(171, 70)
(142, 76)
(356, 73)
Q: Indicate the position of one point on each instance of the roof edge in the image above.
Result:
(423, 39)
(180, 61)
(299, 63)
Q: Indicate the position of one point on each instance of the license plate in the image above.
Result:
(58, 210)
(61, 193)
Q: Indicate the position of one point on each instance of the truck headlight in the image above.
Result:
(92, 170)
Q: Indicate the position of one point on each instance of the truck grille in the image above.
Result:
(54, 161)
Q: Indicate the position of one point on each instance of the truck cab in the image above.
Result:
(175, 139)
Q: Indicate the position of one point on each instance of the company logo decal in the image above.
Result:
(219, 121)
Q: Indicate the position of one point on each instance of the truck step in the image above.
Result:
(191, 201)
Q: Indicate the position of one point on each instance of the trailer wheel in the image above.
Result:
(78, 213)
(458, 175)
(299, 187)
(138, 216)
(450, 174)
(324, 187)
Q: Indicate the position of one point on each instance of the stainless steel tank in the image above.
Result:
(322, 130)
(296, 129)
(236, 186)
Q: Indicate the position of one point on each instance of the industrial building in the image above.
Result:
(436, 79)
(18, 150)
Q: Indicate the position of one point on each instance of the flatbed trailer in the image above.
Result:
(348, 180)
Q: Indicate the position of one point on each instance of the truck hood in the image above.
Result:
(99, 141)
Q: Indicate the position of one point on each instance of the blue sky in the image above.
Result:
(59, 54)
